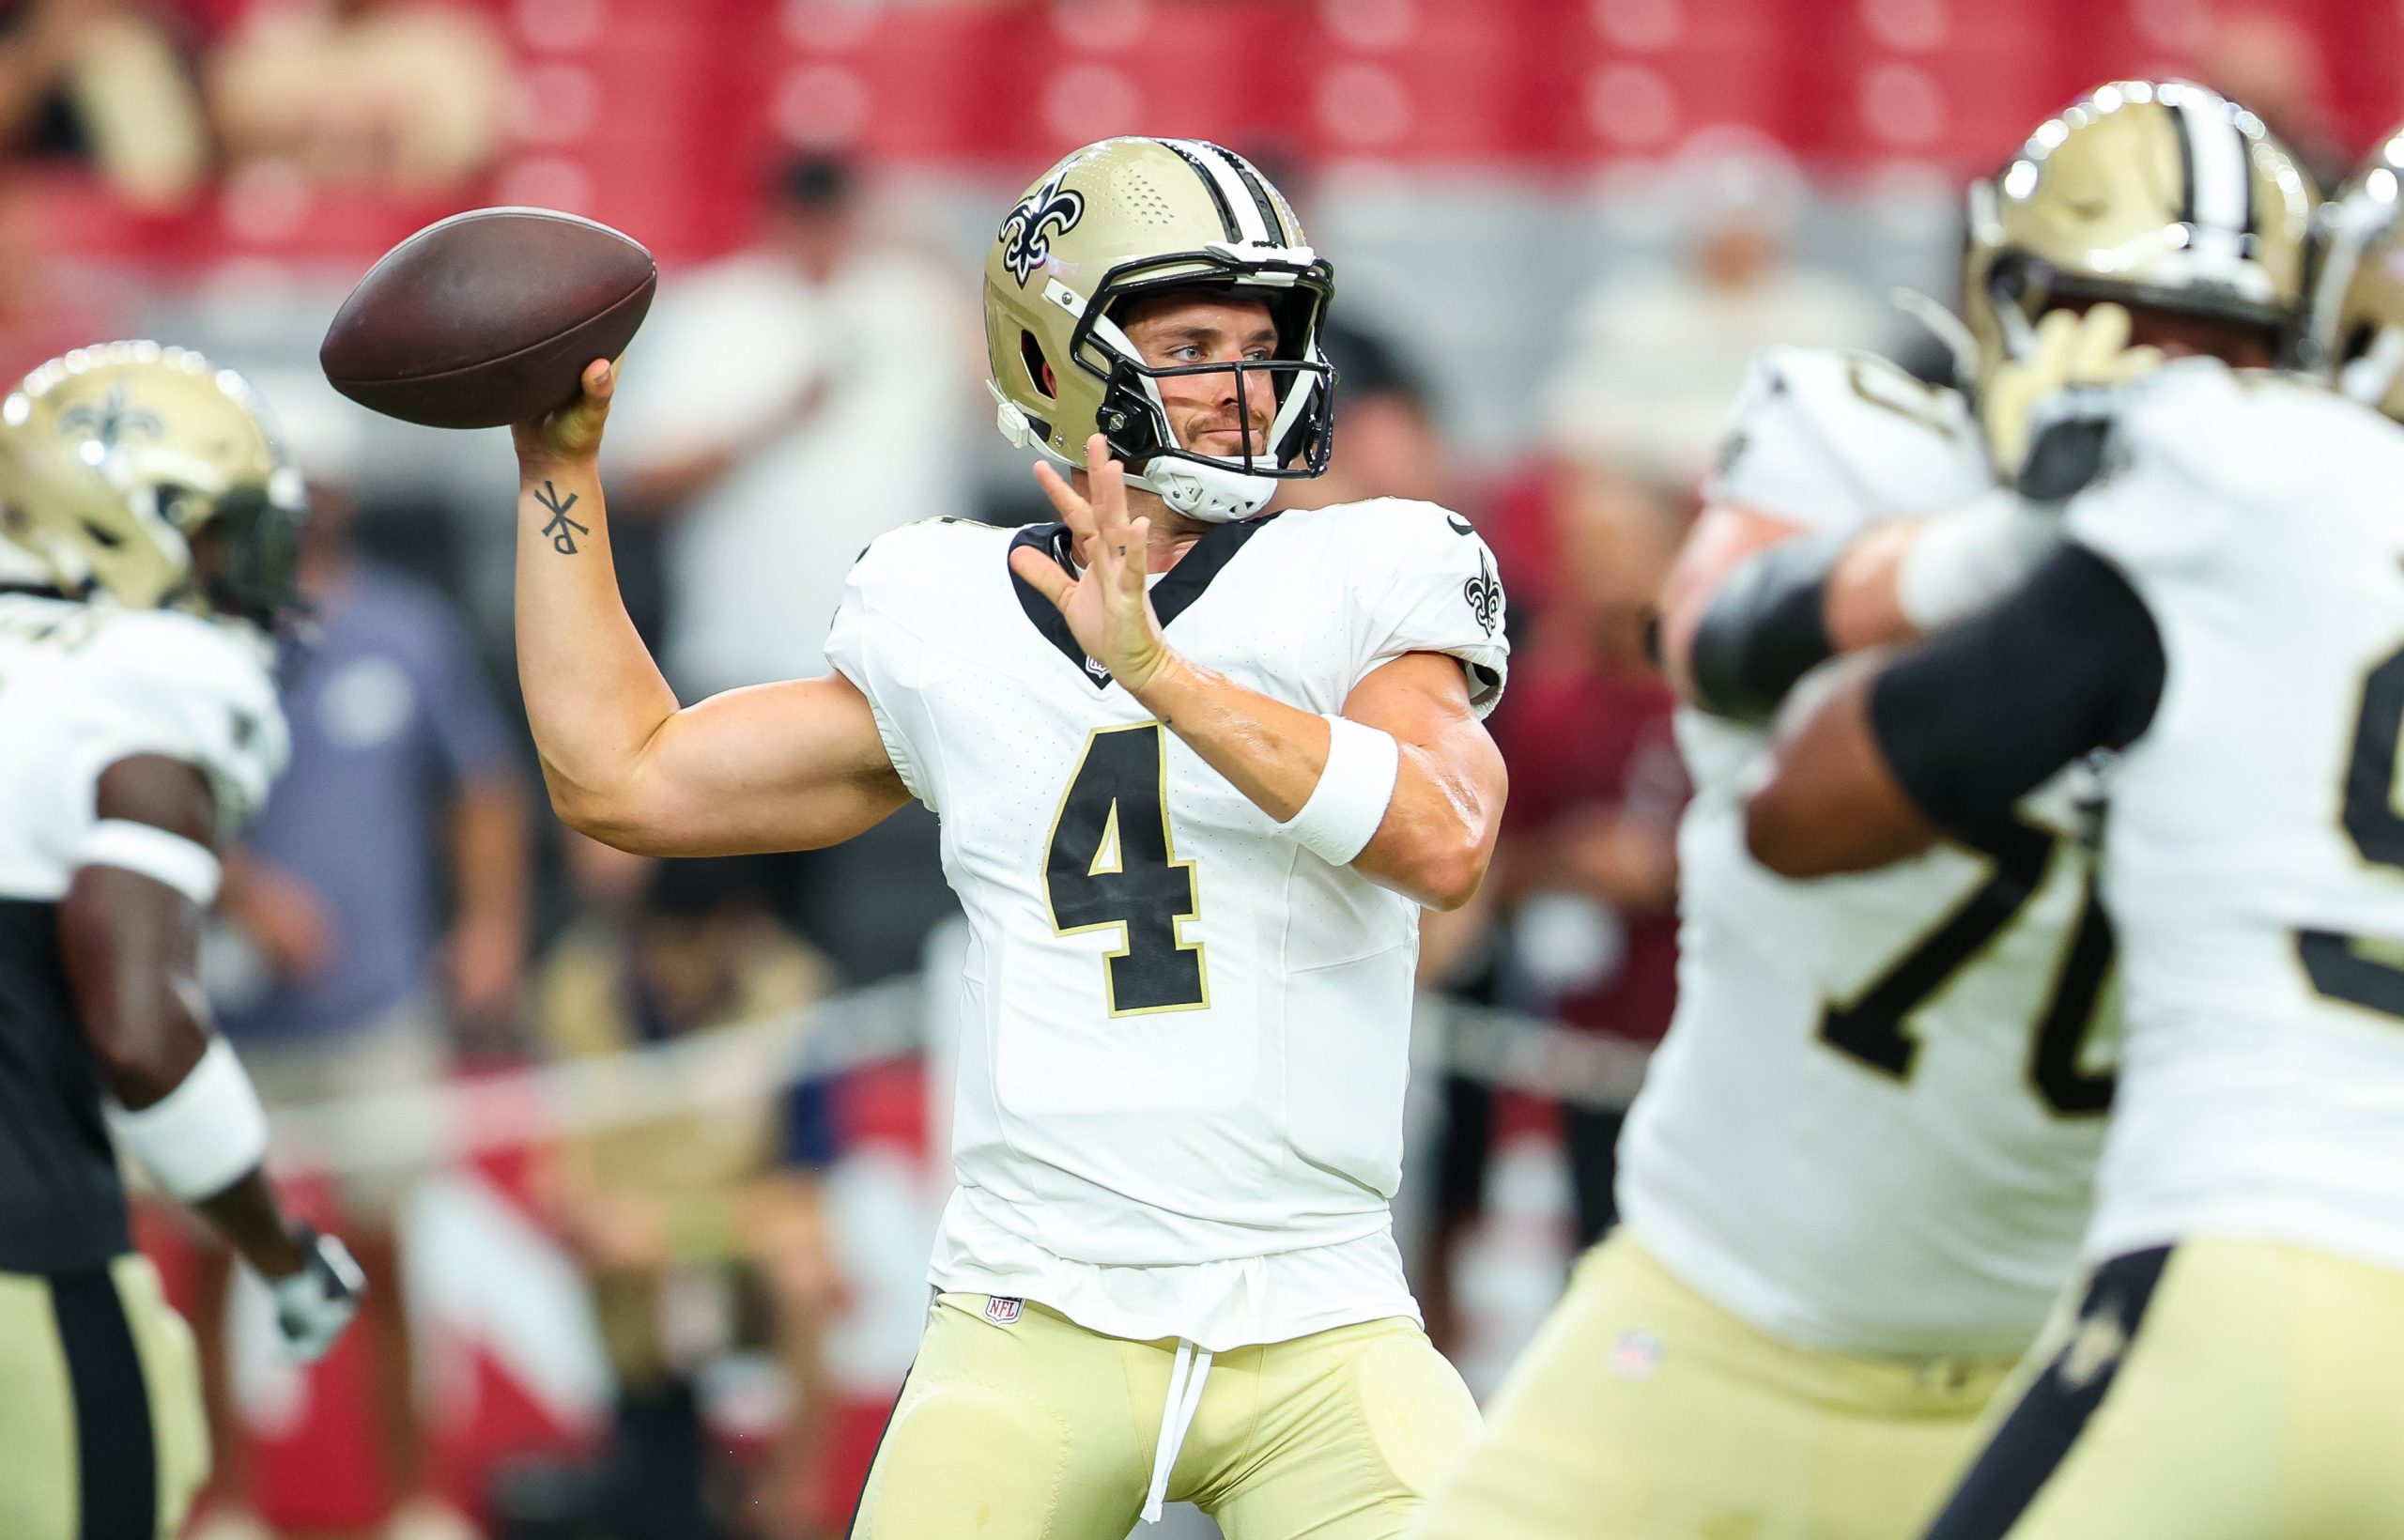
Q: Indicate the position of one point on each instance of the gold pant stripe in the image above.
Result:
(1031, 1427)
(99, 1407)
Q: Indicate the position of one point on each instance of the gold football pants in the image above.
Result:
(101, 1435)
(2220, 1390)
(1039, 1429)
(1644, 1411)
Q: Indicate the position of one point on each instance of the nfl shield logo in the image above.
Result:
(1002, 1312)
(1636, 1355)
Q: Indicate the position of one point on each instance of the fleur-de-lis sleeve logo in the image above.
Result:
(1484, 595)
(1026, 235)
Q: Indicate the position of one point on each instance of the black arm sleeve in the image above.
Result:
(1765, 628)
(1976, 718)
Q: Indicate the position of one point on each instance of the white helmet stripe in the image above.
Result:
(2217, 171)
(1250, 230)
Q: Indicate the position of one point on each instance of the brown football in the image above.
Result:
(487, 317)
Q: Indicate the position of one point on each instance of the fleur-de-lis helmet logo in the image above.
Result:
(111, 421)
(1026, 234)
(1484, 595)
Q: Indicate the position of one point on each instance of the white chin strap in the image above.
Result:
(1213, 494)
(2369, 377)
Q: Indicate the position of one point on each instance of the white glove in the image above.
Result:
(315, 1304)
(2072, 357)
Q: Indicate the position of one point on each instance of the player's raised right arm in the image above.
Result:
(786, 766)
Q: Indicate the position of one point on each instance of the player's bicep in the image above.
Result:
(1424, 699)
(1453, 780)
(130, 922)
(787, 766)
(1832, 803)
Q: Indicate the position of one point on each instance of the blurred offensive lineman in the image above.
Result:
(1857, 1176)
(1197, 770)
(142, 729)
(2227, 610)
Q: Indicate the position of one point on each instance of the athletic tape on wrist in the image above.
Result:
(186, 865)
(205, 1135)
(1963, 561)
(1351, 798)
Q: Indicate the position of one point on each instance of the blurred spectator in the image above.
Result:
(97, 80)
(784, 406)
(1588, 862)
(2272, 64)
(684, 1221)
(336, 977)
(1387, 446)
(408, 96)
(1655, 356)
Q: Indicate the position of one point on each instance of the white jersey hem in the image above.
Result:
(1233, 1302)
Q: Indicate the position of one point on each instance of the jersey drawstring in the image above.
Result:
(1185, 1379)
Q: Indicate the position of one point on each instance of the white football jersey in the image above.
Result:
(1874, 1123)
(1180, 1109)
(84, 686)
(2255, 854)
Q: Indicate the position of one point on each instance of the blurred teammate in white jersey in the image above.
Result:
(2227, 612)
(141, 729)
(1856, 1175)
(1197, 770)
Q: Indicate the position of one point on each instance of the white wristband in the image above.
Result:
(1351, 798)
(1965, 560)
(189, 867)
(202, 1136)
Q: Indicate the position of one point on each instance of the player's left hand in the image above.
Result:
(315, 1304)
(2073, 364)
(1107, 606)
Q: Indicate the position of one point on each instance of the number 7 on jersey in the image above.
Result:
(1112, 862)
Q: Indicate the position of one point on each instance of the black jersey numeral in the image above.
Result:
(1112, 862)
(2338, 964)
(1872, 1027)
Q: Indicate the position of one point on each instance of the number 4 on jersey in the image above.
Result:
(1112, 862)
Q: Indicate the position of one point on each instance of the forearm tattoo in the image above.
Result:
(561, 530)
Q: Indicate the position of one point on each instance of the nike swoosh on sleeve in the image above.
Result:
(1460, 525)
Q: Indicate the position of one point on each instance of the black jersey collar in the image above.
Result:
(1171, 596)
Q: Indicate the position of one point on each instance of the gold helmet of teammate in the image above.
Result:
(2164, 195)
(150, 475)
(2354, 316)
(1135, 216)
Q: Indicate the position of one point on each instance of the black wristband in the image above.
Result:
(1766, 627)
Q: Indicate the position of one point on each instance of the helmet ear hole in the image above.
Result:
(1039, 373)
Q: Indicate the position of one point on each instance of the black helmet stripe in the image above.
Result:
(2184, 136)
(1218, 194)
(1259, 190)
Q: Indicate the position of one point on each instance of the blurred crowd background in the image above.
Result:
(644, 1158)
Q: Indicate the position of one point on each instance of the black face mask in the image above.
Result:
(247, 558)
(1137, 432)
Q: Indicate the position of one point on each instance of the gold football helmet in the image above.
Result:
(117, 461)
(2167, 196)
(1134, 216)
(2354, 316)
